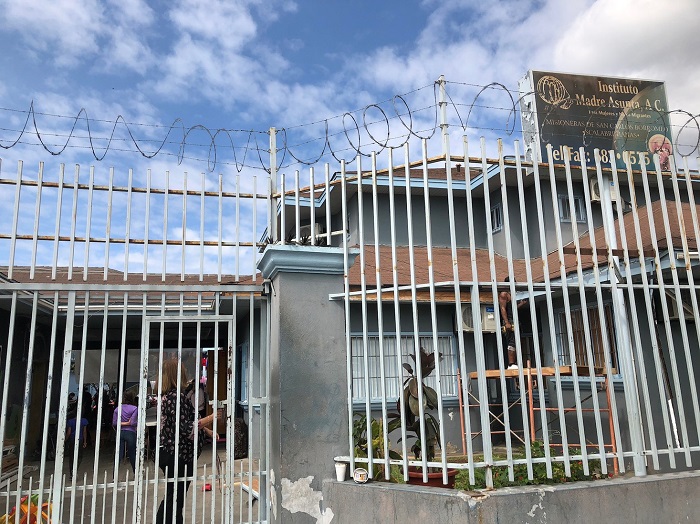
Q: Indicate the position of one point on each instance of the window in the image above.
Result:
(496, 218)
(596, 332)
(394, 378)
(565, 211)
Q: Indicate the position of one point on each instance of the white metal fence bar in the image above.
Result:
(433, 312)
(380, 322)
(514, 302)
(583, 287)
(524, 221)
(578, 282)
(81, 312)
(602, 320)
(677, 297)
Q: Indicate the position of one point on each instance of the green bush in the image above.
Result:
(361, 440)
(539, 473)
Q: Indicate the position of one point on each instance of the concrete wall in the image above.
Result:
(654, 499)
(308, 388)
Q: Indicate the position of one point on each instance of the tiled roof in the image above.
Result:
(645, 238)
(442, 262)
(95, 277)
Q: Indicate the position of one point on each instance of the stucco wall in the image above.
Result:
(661, 498)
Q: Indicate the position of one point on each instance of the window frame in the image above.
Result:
(497, 211)
(359, 399)
(565, 211)
(562, 351)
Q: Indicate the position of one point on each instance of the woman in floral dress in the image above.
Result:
(176, 450)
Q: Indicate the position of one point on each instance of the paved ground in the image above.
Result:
(100, 502)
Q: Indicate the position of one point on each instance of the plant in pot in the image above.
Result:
(412, 418)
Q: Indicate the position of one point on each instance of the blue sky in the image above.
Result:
(254, 64)
(247, 65)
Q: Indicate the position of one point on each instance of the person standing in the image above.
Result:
(73, 428)
(126, 415)
(505, 308)
(172, 418)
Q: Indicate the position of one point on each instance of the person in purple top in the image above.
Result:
(73, 428)
(126, 415)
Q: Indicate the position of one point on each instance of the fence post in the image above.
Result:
(273, 185)
(307, 360)
(626, 355)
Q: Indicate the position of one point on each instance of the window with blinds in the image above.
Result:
(394, 374)
(596, 329)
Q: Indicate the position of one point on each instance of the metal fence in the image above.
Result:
(602, 287)
(103, 284)
(597, 267)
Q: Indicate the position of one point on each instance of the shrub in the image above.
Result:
(539, 473)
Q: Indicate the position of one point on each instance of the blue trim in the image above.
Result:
(400, 181)
(287, 258)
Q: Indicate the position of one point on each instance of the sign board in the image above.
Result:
(626, 116)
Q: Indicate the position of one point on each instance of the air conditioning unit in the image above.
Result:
(467, 318)
(595, 191)
(685, 303)
(488, 318)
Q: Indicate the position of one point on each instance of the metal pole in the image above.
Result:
(273, 178)
(626, 356)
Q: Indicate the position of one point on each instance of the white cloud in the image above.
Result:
(638, 38)
(111, 35)
(128, 51)
(133, 12)
(132, 22)
(227, 23)
(217, 55)
(64, 29)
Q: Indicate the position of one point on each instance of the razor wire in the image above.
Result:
(346, 136)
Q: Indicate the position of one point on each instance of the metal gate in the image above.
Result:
(82, 327)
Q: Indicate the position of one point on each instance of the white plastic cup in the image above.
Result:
(341, 469)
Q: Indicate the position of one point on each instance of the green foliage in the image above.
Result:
(539, 473)
(361, 442)
(396, 474)
(412, 407)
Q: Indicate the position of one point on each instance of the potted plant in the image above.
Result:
(412, 420)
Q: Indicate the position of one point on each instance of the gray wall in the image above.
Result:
(439, 220)
(308, 403)
(661, 498)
